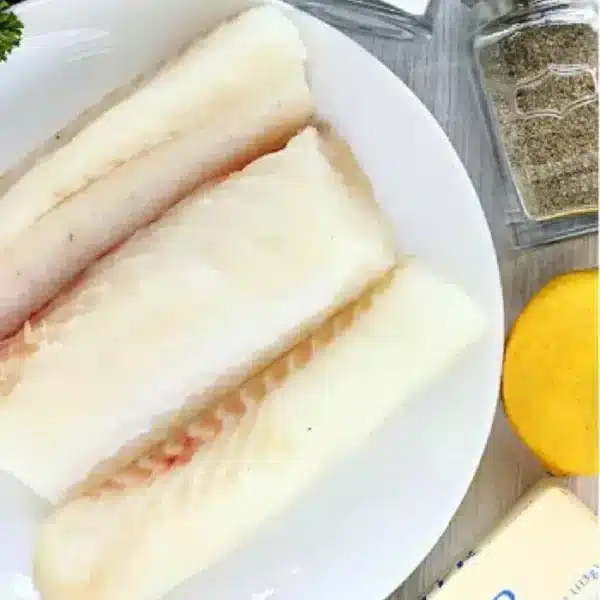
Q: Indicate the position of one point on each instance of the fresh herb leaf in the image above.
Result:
(11, 31)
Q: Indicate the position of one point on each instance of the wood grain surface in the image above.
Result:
(438, 72)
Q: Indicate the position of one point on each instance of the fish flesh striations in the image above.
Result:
(225, 282)
(229, 98)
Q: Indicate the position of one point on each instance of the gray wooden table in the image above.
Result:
(438, 73)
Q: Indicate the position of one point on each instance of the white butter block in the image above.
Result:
(547, 549)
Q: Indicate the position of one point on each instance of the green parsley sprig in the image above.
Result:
(11, 31)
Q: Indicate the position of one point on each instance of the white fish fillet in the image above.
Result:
(231, 96)
(139, 543)
(227, 280)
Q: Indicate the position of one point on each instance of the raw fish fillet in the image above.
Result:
(225, 282)
(198, 497)
(229, 98)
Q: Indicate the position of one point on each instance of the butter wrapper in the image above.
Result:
(548, 548)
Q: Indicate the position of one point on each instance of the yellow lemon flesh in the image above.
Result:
(550, 384)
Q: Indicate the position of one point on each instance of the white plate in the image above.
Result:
(364, 528)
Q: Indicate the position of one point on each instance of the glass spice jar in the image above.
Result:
(536, 67)
(400, 20)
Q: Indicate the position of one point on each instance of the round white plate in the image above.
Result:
(363, 529)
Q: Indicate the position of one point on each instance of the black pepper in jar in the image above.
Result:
(541, 78)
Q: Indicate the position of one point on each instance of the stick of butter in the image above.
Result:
(547, 549)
